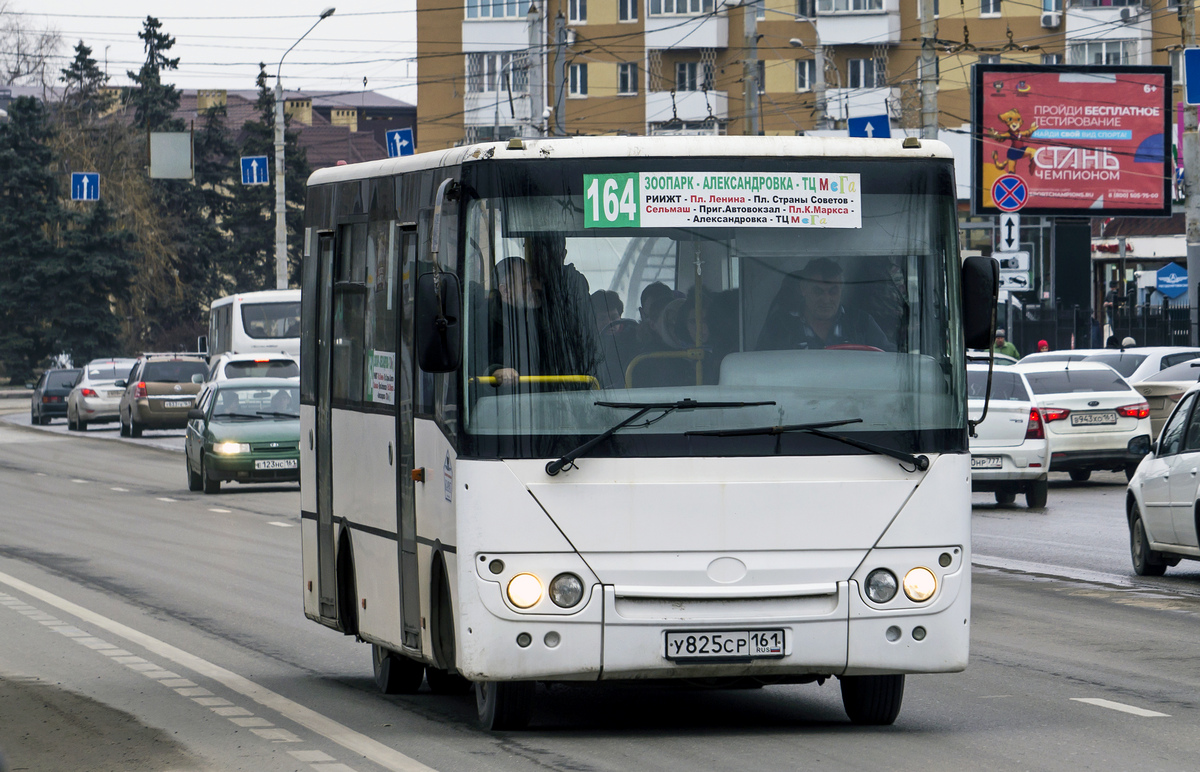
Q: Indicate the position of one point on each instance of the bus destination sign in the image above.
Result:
(721, 199)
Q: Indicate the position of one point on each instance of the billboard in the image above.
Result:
(1072, 140)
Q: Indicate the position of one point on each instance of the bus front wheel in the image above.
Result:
(504, 704)
(395, 673)
(873, 700)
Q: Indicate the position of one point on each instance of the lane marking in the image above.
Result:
(81, 482)
(279, 524)
(120, 490)
(164, 498)
(1121, 707)
(311, 757)
(355, 742)
(222, 511)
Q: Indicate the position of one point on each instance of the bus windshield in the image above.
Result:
(826, 287)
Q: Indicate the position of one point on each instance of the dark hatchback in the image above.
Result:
(50, 395)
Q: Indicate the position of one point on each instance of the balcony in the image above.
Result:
(845, 103)
(495, 34)
(1108, 23)
(860, 28)
(480, 108)
(682, 32)
(690, 106)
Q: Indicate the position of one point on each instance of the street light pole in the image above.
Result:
(281, 276)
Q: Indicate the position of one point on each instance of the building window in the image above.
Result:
(760, 76)
(806, 74)
(678, 7)
(578, 80)
(487, 72)
(866, 73)
(692, 76)
(1103, 52)
(497, 9)
(627, 10)
(1051, 58)
(1177, 67)
(760, 9)
(627, 78)
(1103, 3)
(846, 6)
(576, 11)
(1052, 6)
(806, 9)
(937, 10)
(989, 7)
(989, 58)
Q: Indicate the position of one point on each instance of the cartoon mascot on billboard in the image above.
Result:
(1017, 136)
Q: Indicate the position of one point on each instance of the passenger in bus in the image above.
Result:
(807, 313)
(565, 308)
(514, 335)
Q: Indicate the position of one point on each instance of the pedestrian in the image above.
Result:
(1002, 346)
(1043, 346)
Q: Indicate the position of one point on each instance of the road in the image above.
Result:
(143, 627)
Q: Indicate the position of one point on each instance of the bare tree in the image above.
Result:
(26, 52)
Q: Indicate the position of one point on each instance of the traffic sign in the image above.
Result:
(400, 142)
(1191, 76)
(876, 126)
(85, 186)
(1009, 193)
(1015, 280)
(1012, 261)
(254, 170)
(1010, 232)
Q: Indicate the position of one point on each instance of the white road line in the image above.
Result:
(281, 525)
(80, 482)
(120, 490)
(356, 742)
(222, 511)
(1121, 707)
(164, 498)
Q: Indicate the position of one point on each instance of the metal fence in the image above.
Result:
(1065, 328)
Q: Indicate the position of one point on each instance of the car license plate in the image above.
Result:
(724, 644)
(275, 463)
(986, 462)
(113, 393)
(1093, 419)
(179, 404)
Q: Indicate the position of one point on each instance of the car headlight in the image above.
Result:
(920, 584)
(566, 590)
(230, 448)
(881, 585)
(524, 590)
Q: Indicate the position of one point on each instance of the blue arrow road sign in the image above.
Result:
(869, 126)
(254, 170)
(85, 186)
(1191, 75)
(400, 142)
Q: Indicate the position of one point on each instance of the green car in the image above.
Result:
(247, 430)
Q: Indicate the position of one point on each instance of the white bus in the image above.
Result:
(265, 322)
(764, 481)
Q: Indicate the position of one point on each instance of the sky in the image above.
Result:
(220, 42)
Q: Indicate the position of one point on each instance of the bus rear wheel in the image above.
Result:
(395, 673)
(873, 700)
(504, 704)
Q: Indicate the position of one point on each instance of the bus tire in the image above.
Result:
(1038, 493)
(445, 682)
(873, 700)
(504, 705)
(395, 673)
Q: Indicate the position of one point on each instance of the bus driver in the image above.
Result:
(807, 313)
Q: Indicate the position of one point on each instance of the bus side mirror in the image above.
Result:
(980, 287)
(436, 326)
(202, 344)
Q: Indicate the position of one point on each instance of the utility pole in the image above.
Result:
(534, 57)
(1191, 178)
(750, 65)
(929, 85)
(560, 75)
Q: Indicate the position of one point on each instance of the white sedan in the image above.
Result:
(1162, 496)
(1137, 364)
(1008, 451)
(1094, 419)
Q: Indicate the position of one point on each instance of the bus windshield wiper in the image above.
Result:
(920, 462)
(554, 467)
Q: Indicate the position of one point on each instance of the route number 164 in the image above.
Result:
(610, 200)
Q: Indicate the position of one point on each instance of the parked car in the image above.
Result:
(1062, 355)
(1094, 419)
(228, 366)
(49, 399)
(244, 429)
(96, 397)
(159, 392)
(979, 355)
(1008, 451)
(1160, 504)
(1164, 389)
(1137, 364)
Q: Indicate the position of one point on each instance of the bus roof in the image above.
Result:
(639, 147)
(264, 296)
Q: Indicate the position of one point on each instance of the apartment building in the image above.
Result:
(501, 68)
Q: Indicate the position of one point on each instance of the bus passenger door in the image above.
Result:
(406, 514)
(326, 559)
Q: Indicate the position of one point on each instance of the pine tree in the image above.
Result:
(82, 95)
(153, 101)
(29, 212)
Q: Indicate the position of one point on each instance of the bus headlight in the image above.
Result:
(566, 590)
(920, 584)
(229, 448)
(524, 590)
(881, 585)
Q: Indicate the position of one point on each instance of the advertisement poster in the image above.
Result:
(1092, 141)
(383, 377)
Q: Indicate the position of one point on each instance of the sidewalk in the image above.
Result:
(9, 393)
